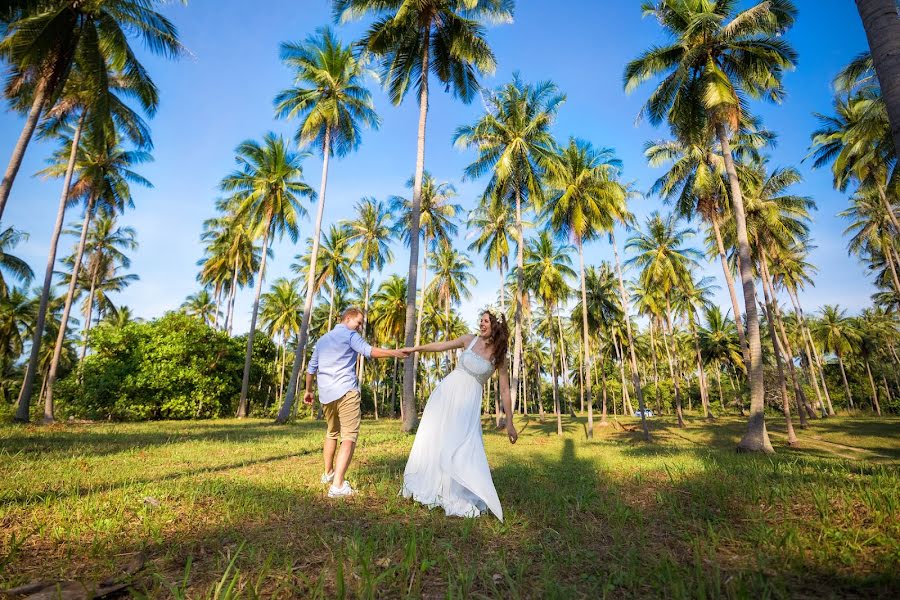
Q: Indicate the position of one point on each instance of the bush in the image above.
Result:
(175, 367)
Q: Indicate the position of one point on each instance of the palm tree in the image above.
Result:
(870, 325)
(389, 321)
(719, 345)
(121, 317)
(870, 232)
(202, 306)
(105, 174)
(492, 223)
(280, 310)
(665, 264)
(269, 185)
(718, 58)
(46, 39)
(584, 197)
(515, 147)
(451, 277)
(16, 318)
(335, 266)
(837, 333)
(370, 236)
(548, 268)
(882, 27)
(10, 265)
(333, 104)
(443, 37)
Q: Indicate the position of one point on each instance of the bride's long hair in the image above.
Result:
(499, 338)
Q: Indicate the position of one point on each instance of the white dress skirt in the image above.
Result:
(447, 466)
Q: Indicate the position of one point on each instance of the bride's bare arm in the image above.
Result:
(459, 342)
(507, 403)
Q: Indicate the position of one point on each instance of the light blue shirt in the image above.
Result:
(334, 362)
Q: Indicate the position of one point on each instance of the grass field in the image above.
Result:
(234, 509)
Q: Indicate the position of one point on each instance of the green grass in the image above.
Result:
(234, 509)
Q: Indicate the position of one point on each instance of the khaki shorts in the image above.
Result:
(343, 417)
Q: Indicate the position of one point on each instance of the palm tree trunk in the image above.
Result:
(283, 367)
(87, 322)
(245, 382)
(719, 386)
(70, 298)
(701, 375)
(811, 346)
(635, 373)
(654, 352)
(890, 256)
(421, 311)
(669, 337)
(15, 161)
(874, 389)
(887, 389)
(776, 346)
(604, 411)
(362, 359)
(626, 402)
(232, 293)
(882, 27)
(585, 341)
(844, 378)
(303, 336)
(735, 306)
(563, 359)
(757, 438)
(517, 314)
(556, 403)
(40, 320)
(394, 390)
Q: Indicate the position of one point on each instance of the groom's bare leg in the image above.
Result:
(328, 454)
(343, 461)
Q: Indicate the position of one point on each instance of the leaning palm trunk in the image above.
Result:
(245, 382)
(844, 379)
(882, 25)
(635, 374)
(732, 293)
(653, 354)
(88, 318)
(284, 412)
(229, 317)
(410, 414)
(757, 438)
(34, 357)
(586, 342)
(15, 161)
(874, 389)
(67, 308)
(779, 363)
(811, 347)
(701, 375)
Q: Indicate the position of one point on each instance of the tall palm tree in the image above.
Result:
(719, 345)
(370, 235)
(202, 306)
(414, 40)
(717, 58)
(548, 269)
(47, 38)
(515, 146)
(665, 264)
(269, 186)
(333, 104)
(871, 234)
(882, 27)
(336, 266)
(389, 322)
(105, 175)
(584, 197)
(837, 333)
(869, 324)
(492, 224)
(11, 265)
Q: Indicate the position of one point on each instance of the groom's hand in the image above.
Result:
(308, 397)
(399, 353)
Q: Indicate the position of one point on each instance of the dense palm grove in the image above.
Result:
(594, 338)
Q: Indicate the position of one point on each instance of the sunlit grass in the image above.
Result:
(234, 508)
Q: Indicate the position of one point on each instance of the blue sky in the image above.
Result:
(222, 94)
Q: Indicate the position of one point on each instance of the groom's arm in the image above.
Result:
(311, 370)
(362, 347)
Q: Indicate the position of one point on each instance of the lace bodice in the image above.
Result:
(474, 364)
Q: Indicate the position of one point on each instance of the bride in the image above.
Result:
(447, 466)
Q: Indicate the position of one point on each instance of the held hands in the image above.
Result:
(407, 351)
(400, 353)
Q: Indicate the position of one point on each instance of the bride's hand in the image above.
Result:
(408, 350)
(512, 433)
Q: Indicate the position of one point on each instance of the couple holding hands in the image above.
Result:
(447, 466)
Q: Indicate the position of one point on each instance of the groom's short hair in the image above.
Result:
(351, 312)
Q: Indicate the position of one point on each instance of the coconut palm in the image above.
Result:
(871, 234)
(269, 186)
(665, 263)
(279, 311)
(584, 198)
(370, 235)
(202, 306)
(105, 175)
(870, 325)
(16, 318)
(492, 224)
(11, 266)
(121, 317)
(719, 345)
(452, 278)
(515, 147)
(47, 38)
(389, 322)
(717, 58)
(333, 104)
(879, 18)
(441, 37)
(837, 333)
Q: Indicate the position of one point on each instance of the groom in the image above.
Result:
(334, 361)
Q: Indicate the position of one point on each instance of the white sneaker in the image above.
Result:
(341, 492)
(327, 477)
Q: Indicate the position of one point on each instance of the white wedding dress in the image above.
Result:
(447, 466)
